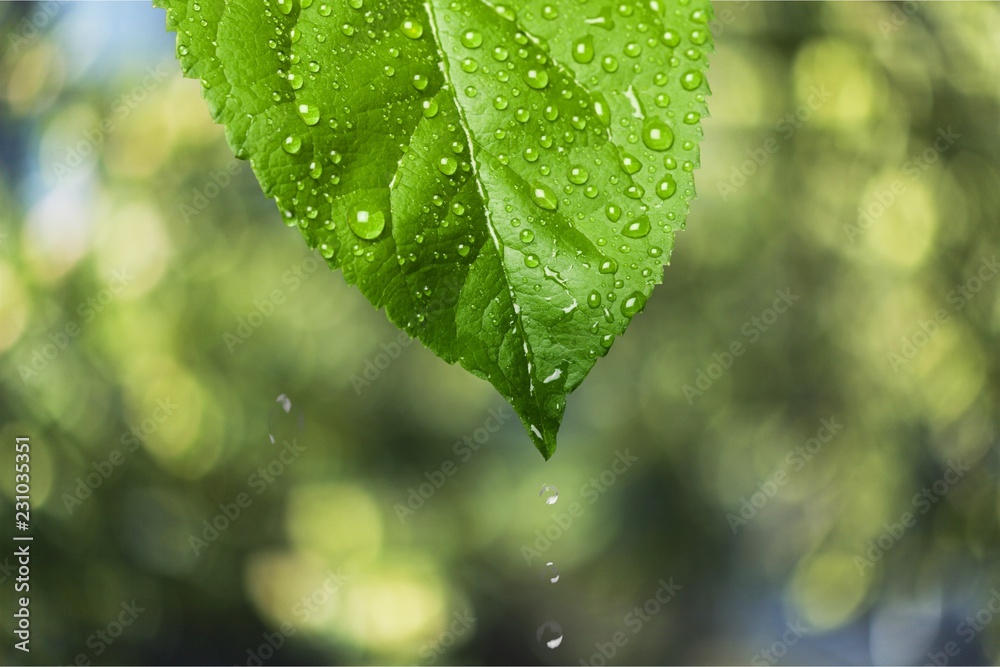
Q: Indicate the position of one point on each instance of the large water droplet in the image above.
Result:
(666, 188)
(537, 78)
(657, 135)
(411, 29)
(578, 175)
(550, 573)
(366, 224)
(633, 303)
(630, 164)
(601, 109)
(527, 236)
(583, 49)
(670, 38)
(613, 211)
(472, 39)
(291, 144)
(691, 80)
(608, 266)
(549, 493)
(636, 229)
(531, 261)
(447, 165)
(543, 197)
(550, 634)
(285, 6)
(309, 113)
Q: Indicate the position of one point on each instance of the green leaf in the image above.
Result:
(504, 179)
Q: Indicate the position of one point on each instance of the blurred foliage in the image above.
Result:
(881, 339)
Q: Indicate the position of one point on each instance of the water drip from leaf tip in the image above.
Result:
(549, 493)
(550, 573)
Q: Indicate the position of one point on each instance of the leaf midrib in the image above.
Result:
(445, 64)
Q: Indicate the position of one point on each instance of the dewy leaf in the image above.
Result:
(505, 179)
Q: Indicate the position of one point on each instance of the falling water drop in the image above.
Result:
(550, 634)
(549, 493)
(282, 423)
(550, 573)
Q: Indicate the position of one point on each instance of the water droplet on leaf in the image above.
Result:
(309, 113)
(543, 197)
(657, 135)
(666, 188)
(411, 29)
(633, 303)
(366, 224)
(583, 49)
(472, 39)
(291, 144)
(537, 78)
(636, 229)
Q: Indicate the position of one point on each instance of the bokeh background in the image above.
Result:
(851, 163)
